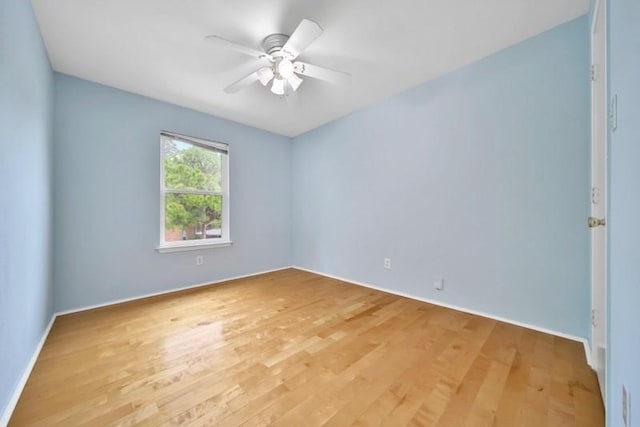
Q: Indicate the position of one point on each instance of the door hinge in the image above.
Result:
(613, 113)
(593, 318)
(595, 195)
(594, 72)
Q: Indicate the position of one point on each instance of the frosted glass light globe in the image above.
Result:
(277, 86)
(285, 68)
(294, 82)
(265, 75)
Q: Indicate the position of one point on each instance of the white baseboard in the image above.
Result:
(6, 415)
(584, 341)
(155, 294)
(8, 411)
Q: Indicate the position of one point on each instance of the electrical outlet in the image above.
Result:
(199, 260)
(438, 284)
(387, 263)
(626, 407)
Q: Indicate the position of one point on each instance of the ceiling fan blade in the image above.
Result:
(242, 83)
(306, 32)
(228, 44)
(321, 73)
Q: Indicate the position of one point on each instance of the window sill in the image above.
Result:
(193, 246)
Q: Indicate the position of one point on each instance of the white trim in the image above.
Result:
(193, 245)
(583, 340)
(224, 177)
(221, 146)
(8, 411)
(595, 17)
(197, 192)
(169, 291)
(6, 416)
(587, 352)
(600, 128)
(226, 207)
(162, 193)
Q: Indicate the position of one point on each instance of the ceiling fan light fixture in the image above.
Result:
(283, 74)
(277, 87)
(265, 75)
(285, 68)
(295, 82)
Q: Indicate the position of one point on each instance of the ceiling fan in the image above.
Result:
(282, 75)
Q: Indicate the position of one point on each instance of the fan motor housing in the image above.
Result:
(273, 43)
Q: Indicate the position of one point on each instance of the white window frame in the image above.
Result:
(188, 245)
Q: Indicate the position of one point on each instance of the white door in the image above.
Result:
(599, 126)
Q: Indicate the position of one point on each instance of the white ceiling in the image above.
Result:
(156, 48)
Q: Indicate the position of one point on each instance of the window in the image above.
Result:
(194, 193)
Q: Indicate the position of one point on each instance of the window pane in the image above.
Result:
(191, 167)
(187, 215)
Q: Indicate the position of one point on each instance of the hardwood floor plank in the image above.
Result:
(294, 348)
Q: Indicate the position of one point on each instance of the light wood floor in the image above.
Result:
(292, 348)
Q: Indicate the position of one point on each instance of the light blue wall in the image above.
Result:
(480, 176)
(106, 204)
(25, 194)
(624, 208)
